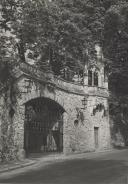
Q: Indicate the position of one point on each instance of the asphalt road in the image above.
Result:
(99, 168)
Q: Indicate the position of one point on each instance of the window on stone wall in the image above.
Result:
(95, 78)
(90, 83)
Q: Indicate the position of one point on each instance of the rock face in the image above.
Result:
(85, 116)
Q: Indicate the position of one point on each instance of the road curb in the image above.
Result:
(22, 165)
(60, 157)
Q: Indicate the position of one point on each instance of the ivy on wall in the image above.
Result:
(79, 117)
(99, 108)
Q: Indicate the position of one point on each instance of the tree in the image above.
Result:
(116, 50)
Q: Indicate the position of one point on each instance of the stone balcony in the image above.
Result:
(96, 91)
(71, 87)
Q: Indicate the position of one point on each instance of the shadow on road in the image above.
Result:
(79, 171)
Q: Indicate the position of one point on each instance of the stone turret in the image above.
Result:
(96, 75)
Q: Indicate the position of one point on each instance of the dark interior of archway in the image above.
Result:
(43, 126)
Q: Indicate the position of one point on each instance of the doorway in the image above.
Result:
(43, 127)
(96, 137)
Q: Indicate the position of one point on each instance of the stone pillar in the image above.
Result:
(66, 136)
(19, 131)
(105, 77)
(106, 84)
(86, 76)
(101, 77)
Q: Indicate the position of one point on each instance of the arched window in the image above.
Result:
(95, 78)
(90, 78)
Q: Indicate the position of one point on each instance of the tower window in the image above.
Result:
(90, 78)
(95, 78)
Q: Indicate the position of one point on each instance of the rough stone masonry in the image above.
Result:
(85, 125)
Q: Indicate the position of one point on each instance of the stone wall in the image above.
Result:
(78, 137)
(79, 124)
(8, 149)
(117, 136)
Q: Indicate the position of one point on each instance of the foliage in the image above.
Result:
(56, 33)
(116, 50)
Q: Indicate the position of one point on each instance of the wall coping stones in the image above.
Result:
(49, 78)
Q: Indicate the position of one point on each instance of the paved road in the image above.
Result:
(99, 168)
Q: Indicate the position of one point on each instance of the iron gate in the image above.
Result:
(39, 138)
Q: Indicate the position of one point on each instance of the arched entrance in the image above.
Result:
(43, 127)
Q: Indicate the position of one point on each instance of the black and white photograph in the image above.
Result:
(63, 91)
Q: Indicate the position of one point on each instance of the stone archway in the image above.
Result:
(43, 127)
